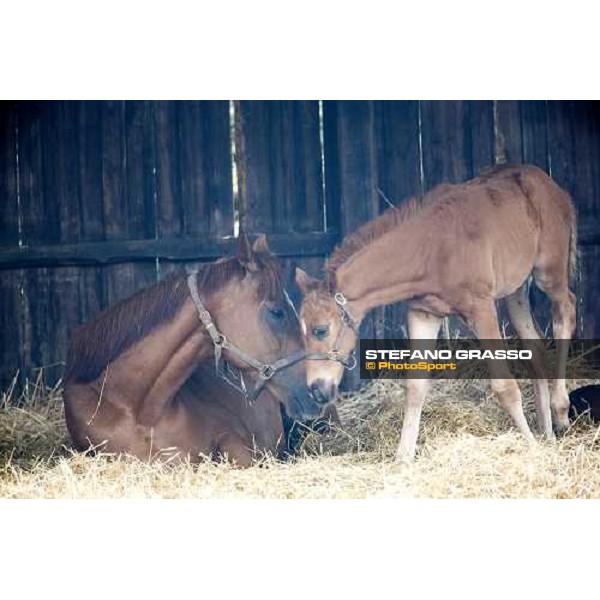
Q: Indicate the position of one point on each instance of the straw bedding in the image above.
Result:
(467, 449)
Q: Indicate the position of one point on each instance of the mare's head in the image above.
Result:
(252, 310)
(324, 331)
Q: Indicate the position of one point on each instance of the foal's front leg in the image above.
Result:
(421, 326)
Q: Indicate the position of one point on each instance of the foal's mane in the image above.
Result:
(94, 345)
(396, 215)
(369, 232)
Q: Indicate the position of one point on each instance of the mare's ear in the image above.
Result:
(245, 253)
(305, 282)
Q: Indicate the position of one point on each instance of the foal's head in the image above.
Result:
(323, 331)
(254, 312)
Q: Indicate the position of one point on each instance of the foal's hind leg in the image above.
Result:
(563, 326)
(421, 326)
(483, 319)
(519, 311)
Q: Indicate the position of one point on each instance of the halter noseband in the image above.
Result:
(229, 373)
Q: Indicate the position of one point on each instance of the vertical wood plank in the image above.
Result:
(574, 148)
(40, 210)
(89, 165)
(127, 190)
(331, 152)
(508, 133)
(357, 160)
(140, 183)
(139, 169)
(217, 158)
(481, 119)
(40, 224)
(535, 134)
(11, 327)
(62, 152)
(205, 153)
(193, 174)
(280, 166)
(118, 279)
(169, 205)
(304, 163)
(399, 178)
(445, 131)
(254, 166)
(10, 281)
(9, 218)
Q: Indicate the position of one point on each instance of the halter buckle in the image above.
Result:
(267, 372)
(340, 298)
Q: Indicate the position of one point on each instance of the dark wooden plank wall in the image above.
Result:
(119, 171)
(574, 157)
(194, 190)
(11, 282)
(96, 172)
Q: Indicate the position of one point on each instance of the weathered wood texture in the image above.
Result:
(99, 199)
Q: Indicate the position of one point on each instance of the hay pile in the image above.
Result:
(467, 449)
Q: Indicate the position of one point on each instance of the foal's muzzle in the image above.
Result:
(323, 391)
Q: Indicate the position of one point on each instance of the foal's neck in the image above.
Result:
(390, 269)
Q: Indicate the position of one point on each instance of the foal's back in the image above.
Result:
(498, 228)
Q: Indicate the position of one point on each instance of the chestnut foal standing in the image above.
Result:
(134, 381)
(457, 251)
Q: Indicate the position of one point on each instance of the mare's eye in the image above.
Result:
(320, 331)
(277, 313)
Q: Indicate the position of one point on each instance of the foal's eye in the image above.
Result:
(277, 313)
(320, 331)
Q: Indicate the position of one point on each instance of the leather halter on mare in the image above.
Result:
(229, 373)
(234, 377)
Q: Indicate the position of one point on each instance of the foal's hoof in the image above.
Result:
(404, 459)
(549, 437)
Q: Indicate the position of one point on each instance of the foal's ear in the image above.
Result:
(305, 282)
(260, 245)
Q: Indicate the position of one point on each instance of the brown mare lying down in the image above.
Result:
(134, 380)
(456, 251)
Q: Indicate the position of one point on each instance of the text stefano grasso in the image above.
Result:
(476, 354)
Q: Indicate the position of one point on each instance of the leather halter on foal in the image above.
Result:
(348, 322)
(234, 376)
